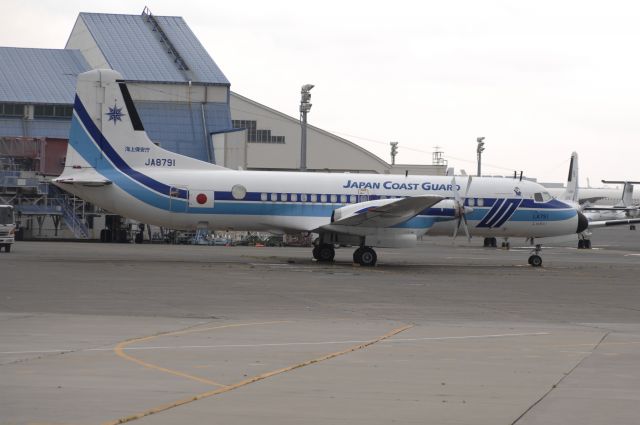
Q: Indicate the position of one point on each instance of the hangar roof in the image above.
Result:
(135, 46)
(39, 75)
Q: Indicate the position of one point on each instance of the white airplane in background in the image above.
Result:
(598, 215)
(112, 163)
(594, 196)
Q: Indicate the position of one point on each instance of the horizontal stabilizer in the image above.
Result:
(82, 180)
(619, 182)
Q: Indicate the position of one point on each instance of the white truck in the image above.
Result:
(7, 227)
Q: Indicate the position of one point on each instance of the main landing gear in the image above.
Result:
(364, 255)
(490, 243)
(324, 252)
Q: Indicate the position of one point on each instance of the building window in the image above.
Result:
(255, 135)
(52, 111)
(11, 110)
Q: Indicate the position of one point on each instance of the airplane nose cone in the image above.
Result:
(583, 223)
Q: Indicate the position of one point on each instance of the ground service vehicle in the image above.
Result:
(7, 227)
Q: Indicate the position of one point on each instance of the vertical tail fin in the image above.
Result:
(107, 133)
(627, 194)
(571, 192)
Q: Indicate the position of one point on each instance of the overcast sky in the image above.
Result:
(538, 79)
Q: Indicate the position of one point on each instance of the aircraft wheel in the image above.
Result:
(326, 253)
(7, 248)
(535, 260)
(632, 227)
(587, 244)
(368, 257)
(487, 242)
(581, 244)
(357, 255)
(494, 242)
(315, 252)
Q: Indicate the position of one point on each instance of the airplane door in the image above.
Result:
(363, 195)
(178, 199)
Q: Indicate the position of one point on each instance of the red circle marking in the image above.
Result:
(201, 198)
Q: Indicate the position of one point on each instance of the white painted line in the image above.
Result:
(283, 344)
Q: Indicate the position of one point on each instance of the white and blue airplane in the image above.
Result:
(113, 164)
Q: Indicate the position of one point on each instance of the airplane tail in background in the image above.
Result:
(627, 191)
(571, 192)
(107, 134)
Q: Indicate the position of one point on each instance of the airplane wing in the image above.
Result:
(592, 200)
(607, 223)
(383, 213)
(596, 208)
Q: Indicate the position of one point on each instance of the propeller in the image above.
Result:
(460, 210)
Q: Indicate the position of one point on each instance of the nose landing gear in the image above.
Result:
(535, 259)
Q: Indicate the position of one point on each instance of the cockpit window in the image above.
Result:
(538, 197)
(546, 196)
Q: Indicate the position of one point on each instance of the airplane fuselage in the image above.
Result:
(247, 200)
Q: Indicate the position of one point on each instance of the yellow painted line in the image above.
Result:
(256, 378)
(119, 350)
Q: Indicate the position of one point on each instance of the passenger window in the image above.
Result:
(274, 197)
(323, 198)
(314, 198)
(343, 199)
(303, 197)
(263, 197)
(334, 199)
(283, 197)
(480, 202)
(538, 197)
(294, 197)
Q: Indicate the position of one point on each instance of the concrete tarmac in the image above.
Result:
(446, 333)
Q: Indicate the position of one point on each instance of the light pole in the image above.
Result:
(305, 107)
(394, 152)
(480, 149)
